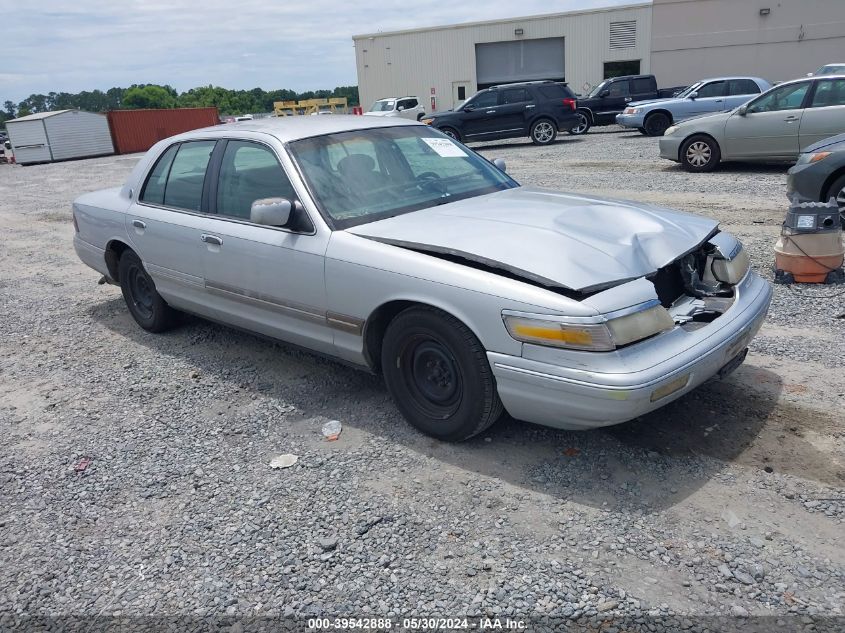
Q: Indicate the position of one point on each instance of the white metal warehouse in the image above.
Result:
(59, 135)
(679, 41)
(445, 65)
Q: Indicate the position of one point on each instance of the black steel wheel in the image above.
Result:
(657, 123)
(145, 305)
(437, 372)
(837, 191)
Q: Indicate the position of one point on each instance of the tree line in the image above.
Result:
(228, 102)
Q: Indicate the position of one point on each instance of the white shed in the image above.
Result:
(59, 135)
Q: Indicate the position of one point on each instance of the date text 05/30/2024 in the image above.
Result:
(417, 624)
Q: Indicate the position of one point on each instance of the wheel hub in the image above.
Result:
(698, 154)
(434, 373)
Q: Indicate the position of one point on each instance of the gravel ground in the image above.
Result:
(728, 503)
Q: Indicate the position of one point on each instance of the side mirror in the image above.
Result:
(604, 93)
(500, 164)
(270, 211)
(809, 74)
(400, 108)
(742, 110)
(468, 108)
(693, 95)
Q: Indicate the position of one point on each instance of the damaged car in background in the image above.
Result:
(390, 246)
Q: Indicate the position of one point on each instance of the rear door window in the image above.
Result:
(154, 189)
(742, 87)
(187, 175)
(829, 93)
(515, 95)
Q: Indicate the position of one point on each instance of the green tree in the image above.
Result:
(150, 96)
(9, 109)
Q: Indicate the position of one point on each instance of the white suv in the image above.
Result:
(406, 107)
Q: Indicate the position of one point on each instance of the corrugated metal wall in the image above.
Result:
(139, 130)
(75, 134)
(415, 62)
(29, 141)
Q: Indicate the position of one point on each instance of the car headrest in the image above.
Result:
(356, 164)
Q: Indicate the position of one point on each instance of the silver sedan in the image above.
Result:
(387, 245)
(775, 126)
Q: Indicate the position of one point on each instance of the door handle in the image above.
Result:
(528, 107)
(718, 101)
(138, 224)
(211, 239)
(791, 118)
(490, 112)
(627, 99)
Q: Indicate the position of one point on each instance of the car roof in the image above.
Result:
(293, 128)
(813, 78)
(732, 77)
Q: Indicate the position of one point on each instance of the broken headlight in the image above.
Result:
(600, 334)
(731, 271)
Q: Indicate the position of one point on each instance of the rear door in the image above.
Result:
(516, 108)
(263, 278)
(770, 127)
(825, 116)
(165, 221)
(740, 91)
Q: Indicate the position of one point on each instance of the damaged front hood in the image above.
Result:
(554, 239)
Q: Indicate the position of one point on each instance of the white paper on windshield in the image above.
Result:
(444, 147)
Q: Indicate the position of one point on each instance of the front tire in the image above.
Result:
(583, 125)
(543, 132)
(699, 154)
(145, 305)
(657, 123)
(451, 132)
(437, 372)
(837, 191)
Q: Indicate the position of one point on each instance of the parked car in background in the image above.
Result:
(405, 107)
(829, 69)
(703, 97)
(612, 96)
(772, 127)
(536, 109)
(384, 243)
(819, 174)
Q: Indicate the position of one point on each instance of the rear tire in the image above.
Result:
(543, 132)
(451, 132)
(437, 372)
(583, 124)
(656, 124)
(699, 154)
(145, 305)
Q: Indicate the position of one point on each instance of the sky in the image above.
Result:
(61, 46)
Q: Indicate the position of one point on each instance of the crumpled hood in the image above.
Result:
(559, 240)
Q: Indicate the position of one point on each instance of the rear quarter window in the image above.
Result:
(556, 91)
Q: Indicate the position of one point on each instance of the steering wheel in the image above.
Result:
(430, 181)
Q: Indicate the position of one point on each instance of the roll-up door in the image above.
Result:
(523, 60)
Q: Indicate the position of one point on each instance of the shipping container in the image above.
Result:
(59, 135)
(138, 130)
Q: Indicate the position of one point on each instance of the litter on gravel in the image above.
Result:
(332, 430)
(283, 461)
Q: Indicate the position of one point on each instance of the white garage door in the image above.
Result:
(523, 60)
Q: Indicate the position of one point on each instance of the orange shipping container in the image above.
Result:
(139, 130)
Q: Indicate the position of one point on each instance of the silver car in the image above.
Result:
(386, 244)
(773, 127)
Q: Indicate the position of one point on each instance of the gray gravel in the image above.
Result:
(728, 503)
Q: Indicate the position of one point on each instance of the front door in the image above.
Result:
(769, 129)
(616, 100)
(480, 116)
(825, 116)
(266, 279)
(709, 98)
(164, 223)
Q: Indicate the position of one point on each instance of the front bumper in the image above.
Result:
(670, 147)
(806, 181)
(572, 397)
(630, 120)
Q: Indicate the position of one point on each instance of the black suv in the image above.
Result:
(537, 109)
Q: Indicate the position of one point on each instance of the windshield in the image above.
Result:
(366, 175)
(688, 91)
(383, 106)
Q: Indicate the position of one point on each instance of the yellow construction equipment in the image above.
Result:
(334, 105)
